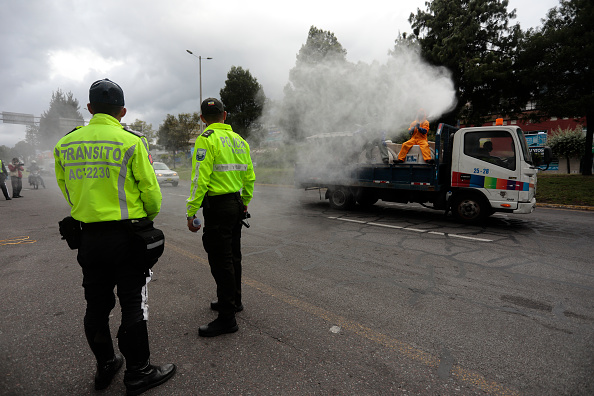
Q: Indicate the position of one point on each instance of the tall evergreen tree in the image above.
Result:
(61, 117)
(473, 39)
(558, 59)
(32, 136)
(320, 65)
(244, 100)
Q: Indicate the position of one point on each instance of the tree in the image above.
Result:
(558, 59)
(61, 117)
(24, 150)
(244, 100)
(5, 153)
(567, 143)
(175, 133)
(145, 128)
(473, 39)
(32, 136)
(321, 46)
(403, 43)
(316, 83)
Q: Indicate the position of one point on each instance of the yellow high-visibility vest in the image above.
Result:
(221, 165)
(105, 174)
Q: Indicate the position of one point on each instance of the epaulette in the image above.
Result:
(75, 128)
(133, 132)
(207, 133)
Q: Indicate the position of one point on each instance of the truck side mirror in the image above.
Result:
(548, 155)
(542, 158)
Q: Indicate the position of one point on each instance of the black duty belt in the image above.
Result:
(223, 197)
(106, 225)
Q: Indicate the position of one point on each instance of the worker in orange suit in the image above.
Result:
(418, 130)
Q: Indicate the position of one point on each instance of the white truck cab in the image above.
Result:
(496, 162)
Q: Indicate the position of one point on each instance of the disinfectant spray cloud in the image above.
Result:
(338, 96)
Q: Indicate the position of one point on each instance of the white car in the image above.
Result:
(165, 175)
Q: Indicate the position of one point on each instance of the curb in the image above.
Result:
(557, 206)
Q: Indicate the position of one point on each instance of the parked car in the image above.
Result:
(165, 175)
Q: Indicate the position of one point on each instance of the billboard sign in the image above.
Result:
(17, 118)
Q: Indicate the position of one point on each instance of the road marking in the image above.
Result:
(466, 376)
(17, 241)
(382, 225)
(412, 229)
(177, 195)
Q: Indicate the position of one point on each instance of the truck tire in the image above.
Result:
(470, 208)
(341, 198)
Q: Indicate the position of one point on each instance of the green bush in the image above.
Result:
(567, 143)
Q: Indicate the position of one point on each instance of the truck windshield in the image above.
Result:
(524, 146)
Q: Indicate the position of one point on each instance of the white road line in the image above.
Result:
(384, 225)
(472, 238)
(412, 229)
(354, 221)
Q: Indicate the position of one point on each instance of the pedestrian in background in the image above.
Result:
(121, 193)
(16, 177)
(3, 176)
(222, 183)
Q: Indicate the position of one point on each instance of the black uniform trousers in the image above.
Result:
(17, 185)
(3, 186)
(108, 257)
(222, 241)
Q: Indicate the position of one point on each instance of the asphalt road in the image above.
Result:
(396, 299)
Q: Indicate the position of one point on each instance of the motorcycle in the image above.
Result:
(35, 179)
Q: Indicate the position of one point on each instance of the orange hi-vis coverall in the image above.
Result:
(419, 137)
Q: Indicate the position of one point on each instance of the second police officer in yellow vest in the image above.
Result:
(222, 183)
(107, 179)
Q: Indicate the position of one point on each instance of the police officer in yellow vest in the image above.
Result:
(223, 185)
(3, 176)
(105, 175)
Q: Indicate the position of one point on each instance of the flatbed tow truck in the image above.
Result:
(465, 177)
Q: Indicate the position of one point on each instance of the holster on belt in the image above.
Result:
(150, 241)
(70, 229)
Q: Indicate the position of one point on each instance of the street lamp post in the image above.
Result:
(200, 76)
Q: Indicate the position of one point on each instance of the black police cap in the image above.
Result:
(106, 91)
(212, 106)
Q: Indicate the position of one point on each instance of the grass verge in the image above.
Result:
(565, 189)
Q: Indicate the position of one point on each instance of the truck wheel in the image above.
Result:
(341, 198)
(470, 209)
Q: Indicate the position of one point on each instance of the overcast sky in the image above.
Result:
(68, 44)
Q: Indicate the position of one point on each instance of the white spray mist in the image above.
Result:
(374, 100)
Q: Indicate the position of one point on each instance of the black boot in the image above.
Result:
(221, 325)
(106, 372)
(108, 363)
(141, 378)
(140, 375)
